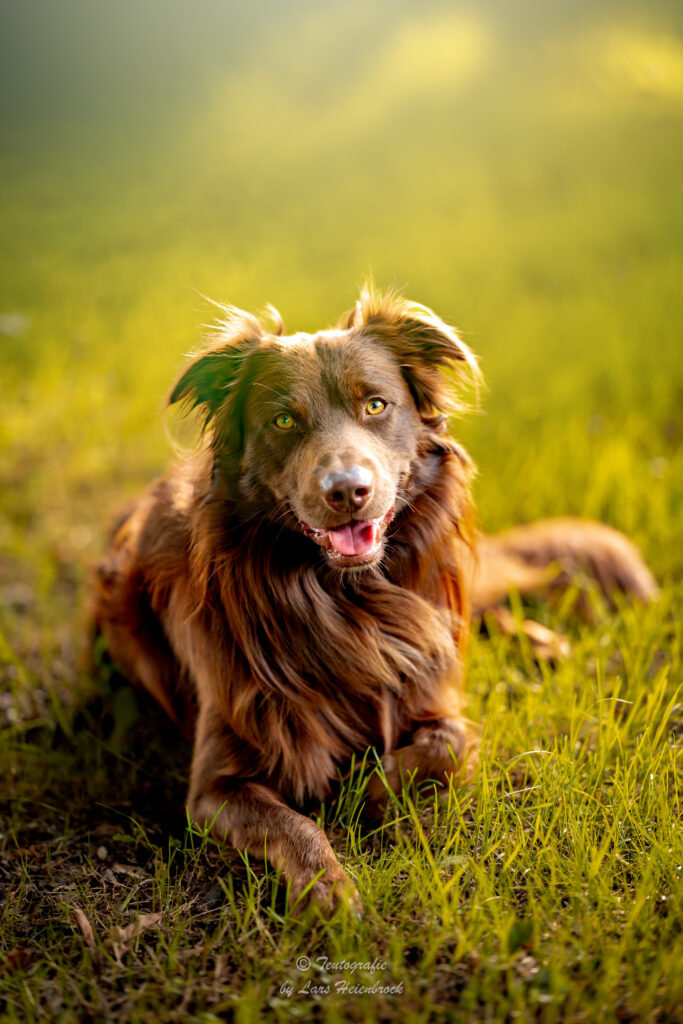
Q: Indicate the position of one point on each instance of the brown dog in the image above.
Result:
(300, 590)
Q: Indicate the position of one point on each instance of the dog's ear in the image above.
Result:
(423, 345)
(210, 378)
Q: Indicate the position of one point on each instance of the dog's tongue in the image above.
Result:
(354, 538)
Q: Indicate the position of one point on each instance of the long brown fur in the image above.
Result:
(281, 662)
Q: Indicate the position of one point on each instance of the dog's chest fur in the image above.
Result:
(305, 667)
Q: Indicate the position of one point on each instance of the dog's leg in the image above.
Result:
(542, 560)
(132, 634)
(546, 644)
(437, 751)
(551, 554)
(253, 817)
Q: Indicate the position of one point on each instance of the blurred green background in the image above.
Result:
(517, 166)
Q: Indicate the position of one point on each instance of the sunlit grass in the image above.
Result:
(517, 170)
(553, 881)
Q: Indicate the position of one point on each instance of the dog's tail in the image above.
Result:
(552, 554)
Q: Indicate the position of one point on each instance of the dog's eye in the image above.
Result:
(284, 421)
(375, 406)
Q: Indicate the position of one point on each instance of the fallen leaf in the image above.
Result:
(131, 931)
(136, 927)
(85, 927)
(130, 869)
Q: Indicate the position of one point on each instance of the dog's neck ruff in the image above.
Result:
(317, 656)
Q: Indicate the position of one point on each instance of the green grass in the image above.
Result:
(548, 889)
(519, 170)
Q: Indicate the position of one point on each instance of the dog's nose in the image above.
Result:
(349, 490)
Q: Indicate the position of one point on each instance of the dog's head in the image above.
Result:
(322, 431)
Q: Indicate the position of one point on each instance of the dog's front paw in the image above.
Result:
(380, 785)
(330, 891)
(433, 758)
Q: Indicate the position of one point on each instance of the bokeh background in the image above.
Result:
(517, 166)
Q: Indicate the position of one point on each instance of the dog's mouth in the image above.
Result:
(358, 542)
